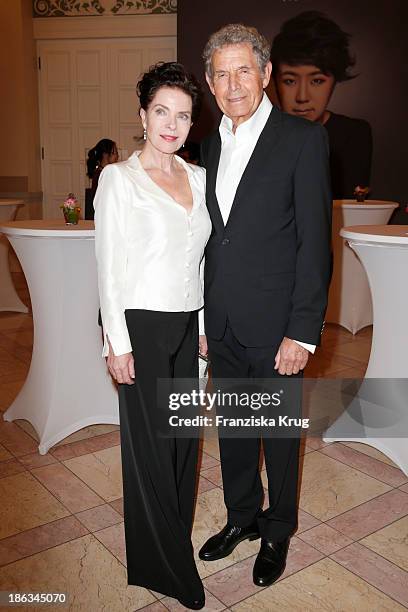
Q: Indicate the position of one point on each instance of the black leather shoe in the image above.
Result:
(196, 604)
(270, 562)
(223, 543)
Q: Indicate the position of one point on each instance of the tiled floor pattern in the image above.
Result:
(61, 526)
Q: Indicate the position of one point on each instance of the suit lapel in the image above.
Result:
(267, 141)
(214, 152)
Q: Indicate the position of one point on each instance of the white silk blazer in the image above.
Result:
(149, 250)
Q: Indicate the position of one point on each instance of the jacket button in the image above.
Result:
(225, 241)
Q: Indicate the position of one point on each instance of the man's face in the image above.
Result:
(237, 82)
(304, 91)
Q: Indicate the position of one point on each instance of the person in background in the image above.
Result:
(151, 228)
(310, 55)
(103, 153)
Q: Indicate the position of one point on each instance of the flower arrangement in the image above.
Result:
(361, 193)
(71, 210)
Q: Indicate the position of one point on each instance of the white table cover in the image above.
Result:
(349, 295)
(9, 300)
(68, 386)
(381, 414)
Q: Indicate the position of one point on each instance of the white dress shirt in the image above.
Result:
(149, 250)
(236, 151)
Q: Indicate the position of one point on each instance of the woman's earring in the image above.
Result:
(144, 134)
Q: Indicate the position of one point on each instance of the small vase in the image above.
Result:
(361, 197)
(71, 215)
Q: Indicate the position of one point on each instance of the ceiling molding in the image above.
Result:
(101, 8)
(119, 26)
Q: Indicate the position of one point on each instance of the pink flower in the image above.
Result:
(361, 190)
(361, 193)
(71, 201)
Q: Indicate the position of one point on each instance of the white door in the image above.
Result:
(87, 92)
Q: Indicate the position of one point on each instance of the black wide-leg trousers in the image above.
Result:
(243, 491)
(159, 473)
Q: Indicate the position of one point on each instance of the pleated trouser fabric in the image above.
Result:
(159, 474)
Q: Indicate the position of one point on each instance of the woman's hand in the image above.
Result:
(121, 367)
(202, 345)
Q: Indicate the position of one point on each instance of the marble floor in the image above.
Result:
(61, 526)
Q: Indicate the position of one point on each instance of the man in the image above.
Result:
(266, 276)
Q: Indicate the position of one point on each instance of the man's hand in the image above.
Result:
(291, 357)
(121, 367)
(203, 345)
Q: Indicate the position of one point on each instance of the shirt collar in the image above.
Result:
(250, 128)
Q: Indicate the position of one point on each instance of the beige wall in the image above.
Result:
(19, 126)
(31, 100)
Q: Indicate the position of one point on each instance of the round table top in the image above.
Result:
(50, 228)
(11, 202)
(368, 204)
(377, 234)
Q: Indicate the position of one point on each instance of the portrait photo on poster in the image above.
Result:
(346, 52)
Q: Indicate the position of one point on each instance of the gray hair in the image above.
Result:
(236, 34)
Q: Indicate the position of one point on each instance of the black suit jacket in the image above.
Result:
(268, 270)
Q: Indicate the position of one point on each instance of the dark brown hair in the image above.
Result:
(169, 74)
(313, 39)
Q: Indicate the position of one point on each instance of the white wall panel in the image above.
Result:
(88, 92)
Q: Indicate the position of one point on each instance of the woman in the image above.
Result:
(310, 55)
(151, 227)
(103, 153)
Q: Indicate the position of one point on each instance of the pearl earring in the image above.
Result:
(144, 134)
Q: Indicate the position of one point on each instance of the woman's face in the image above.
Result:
(110, 158)
(304, 91)
(114, 156)
(167, 120)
